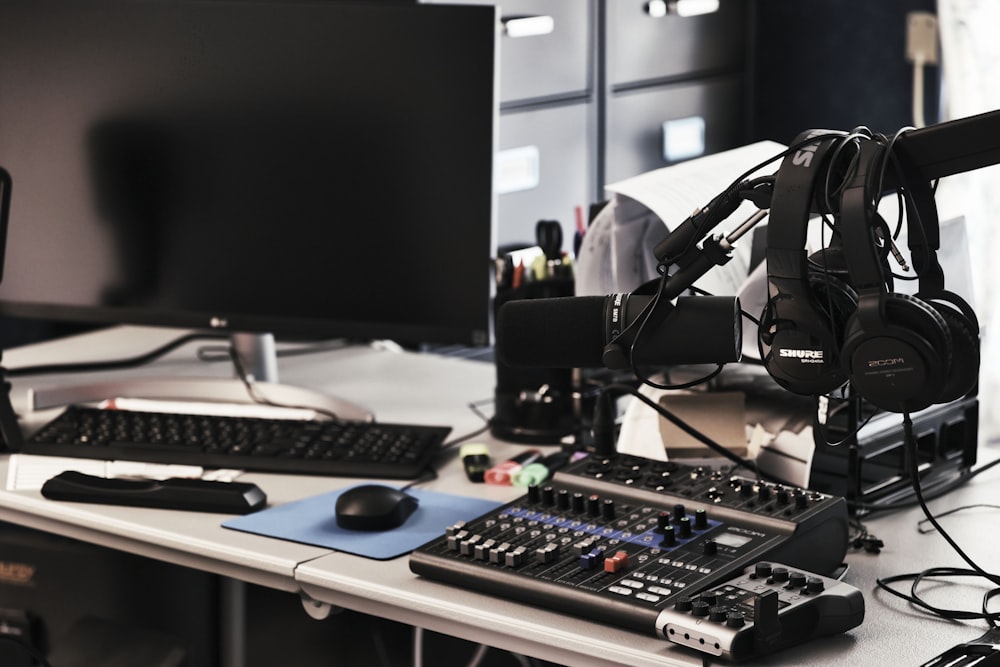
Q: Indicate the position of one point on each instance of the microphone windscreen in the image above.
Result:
(561, 332)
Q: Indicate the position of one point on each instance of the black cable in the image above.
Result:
(917, 578)
(941, 515)
(111, 364)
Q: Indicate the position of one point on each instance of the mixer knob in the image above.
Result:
(669, 537)
(762, 570)
(700, 608)
(684, 527)
(534, 494)
(779, 574)
(782, 496)
(679, 511)
(710, 548)
(608, 509)
(594, 505)
(711, 597)
(548, 496)
(718, 614)
(764, 492)
(562, 499)
(735, 619)
(684, 603)
(577, 503)
(700, 520)
(796, 580)
(801, 500)
(662, 521)
(814, 585)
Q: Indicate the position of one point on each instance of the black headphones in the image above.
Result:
(902, 353)
(800, 333)
(830, 317)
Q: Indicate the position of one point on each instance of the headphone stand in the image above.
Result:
(853, 494)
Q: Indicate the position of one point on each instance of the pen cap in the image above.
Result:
(530, 475)
(476, 460)
(503, 473)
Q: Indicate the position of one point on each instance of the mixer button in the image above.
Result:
(498, 555)
(454, 541)
(616, 563)
(482, 551)
(515, 558)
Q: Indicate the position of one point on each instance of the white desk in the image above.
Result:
(429, 389)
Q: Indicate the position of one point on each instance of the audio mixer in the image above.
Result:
(622, 539)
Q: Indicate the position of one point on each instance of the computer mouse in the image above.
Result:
(374, 507)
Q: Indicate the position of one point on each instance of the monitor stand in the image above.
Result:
(260, 361)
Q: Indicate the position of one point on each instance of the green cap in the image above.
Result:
(531, 474)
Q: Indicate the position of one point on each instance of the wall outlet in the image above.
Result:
(921, 38)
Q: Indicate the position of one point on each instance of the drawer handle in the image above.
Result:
(527, 26)
(683, 8)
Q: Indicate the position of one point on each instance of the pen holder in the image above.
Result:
(533, 405)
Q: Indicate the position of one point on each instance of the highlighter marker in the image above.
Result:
(502, 473)
(476, 460)
(536, 473)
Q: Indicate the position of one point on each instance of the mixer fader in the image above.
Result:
(620, 539)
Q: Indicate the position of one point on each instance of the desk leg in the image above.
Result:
(232, 605)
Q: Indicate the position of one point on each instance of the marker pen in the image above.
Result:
(502, 473)
(539, 471)
(476, 460)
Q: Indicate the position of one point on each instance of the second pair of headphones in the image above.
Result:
(832, 317)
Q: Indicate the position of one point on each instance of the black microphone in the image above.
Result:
(586, 332)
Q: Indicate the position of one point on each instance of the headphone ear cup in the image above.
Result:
(801, 356)
(834, 299)
(964, 373)
(901, 365)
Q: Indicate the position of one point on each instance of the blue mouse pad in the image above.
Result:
(312, 521)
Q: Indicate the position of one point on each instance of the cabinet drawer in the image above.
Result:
(544, 170)
(546, 47)
(653, 127)
(642, 47)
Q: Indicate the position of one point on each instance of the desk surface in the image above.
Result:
(431, 389)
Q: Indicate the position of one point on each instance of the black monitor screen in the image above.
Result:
(301, 168)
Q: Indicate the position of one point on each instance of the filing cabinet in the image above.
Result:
(593, 91)
(546, 160)
(544, 168)
(654, 127)
(643, 46)
(675, 85)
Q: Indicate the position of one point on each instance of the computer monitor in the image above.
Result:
(300, 168)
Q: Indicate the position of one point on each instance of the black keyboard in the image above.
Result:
(338, 448)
